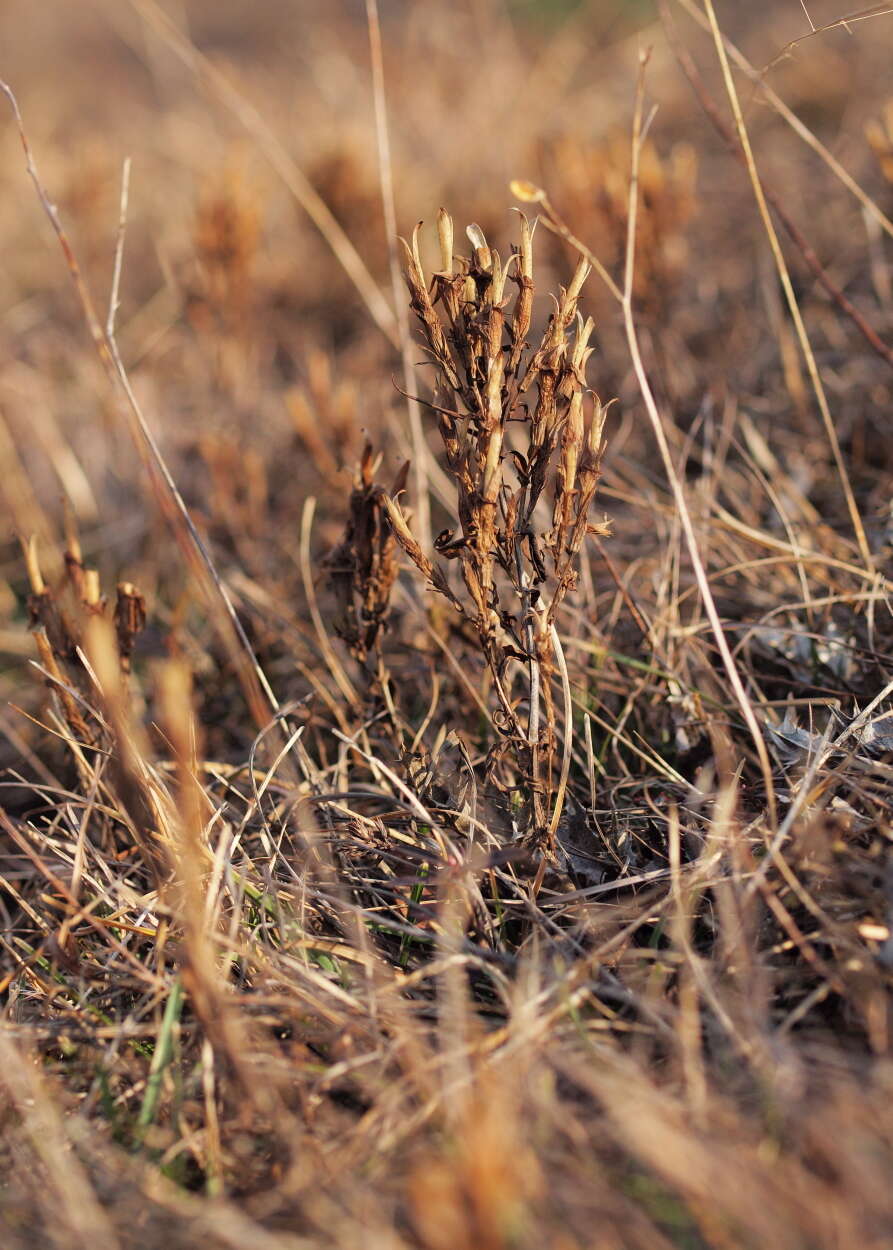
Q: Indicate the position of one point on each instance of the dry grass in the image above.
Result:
(524, 885)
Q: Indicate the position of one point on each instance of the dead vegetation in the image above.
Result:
(524, 882)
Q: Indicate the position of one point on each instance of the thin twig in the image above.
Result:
(848, 19)
(119, 251)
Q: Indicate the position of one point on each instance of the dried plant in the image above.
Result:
(363, 567)
(85, 655)
(523, 442)
(59, 618)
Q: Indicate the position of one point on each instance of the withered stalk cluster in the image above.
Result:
(523, 444)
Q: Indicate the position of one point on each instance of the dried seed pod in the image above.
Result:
(496, 293)
(567, 309)
(424, 310)
(416, 254)
(566, 479)
(363, 567)
(445, 238)
(482, 256)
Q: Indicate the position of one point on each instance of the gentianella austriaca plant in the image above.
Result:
(523, 444)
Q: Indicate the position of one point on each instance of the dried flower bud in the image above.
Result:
(482, 256)
(416, 254)
(420, 300)
(445, 238)
(497, 286)
(525, 250)
(572, 294)
(582, 351)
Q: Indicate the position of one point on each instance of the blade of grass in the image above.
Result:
(164, 1049)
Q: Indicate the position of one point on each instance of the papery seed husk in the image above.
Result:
(445, 238)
